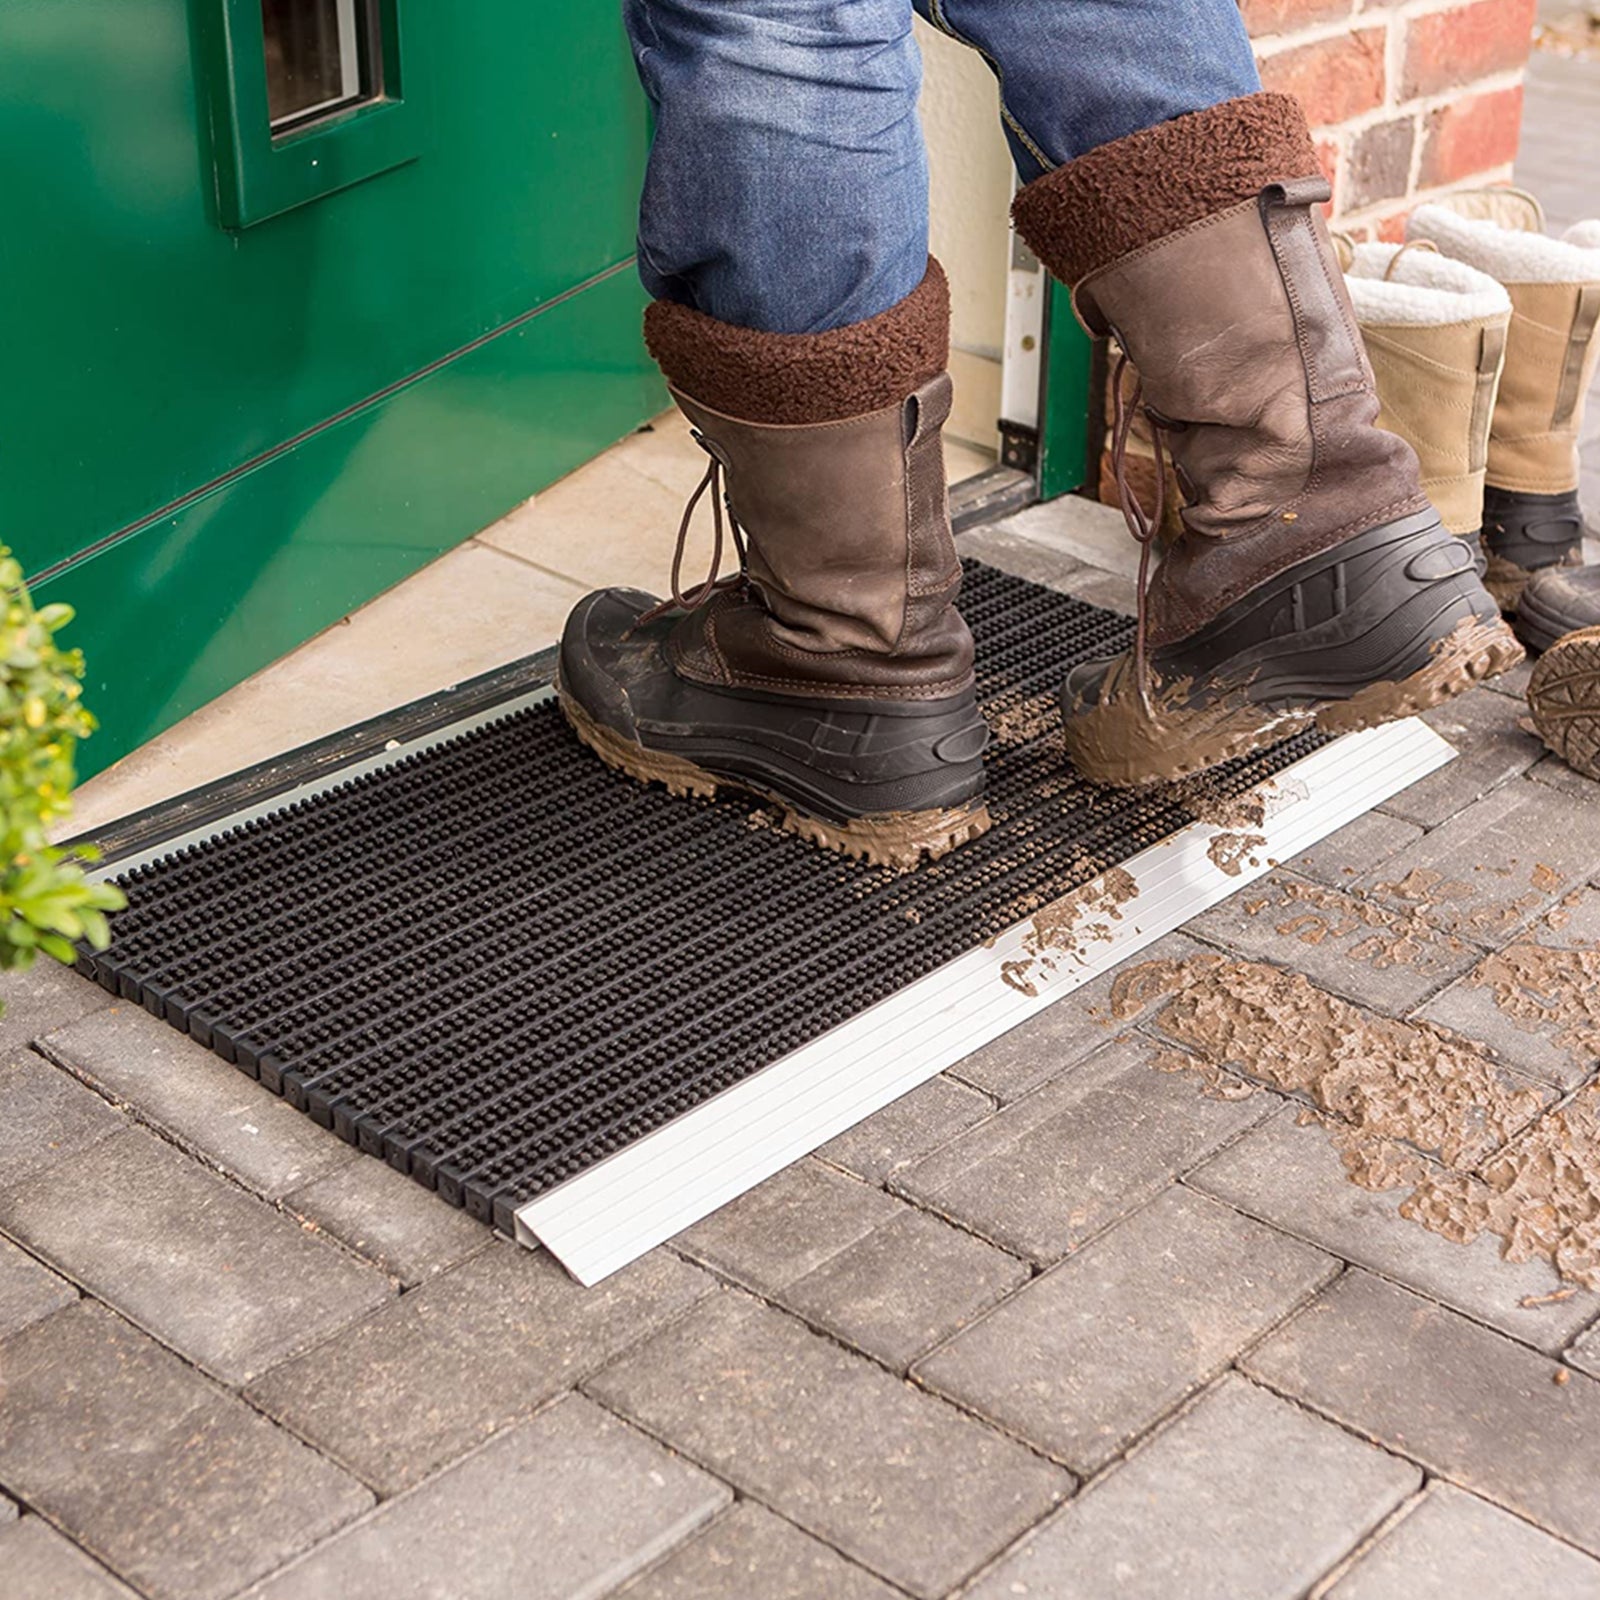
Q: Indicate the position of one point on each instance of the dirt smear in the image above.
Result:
(1407, 1104)
(1067, 929)
(1539, 987)
(1232, 852)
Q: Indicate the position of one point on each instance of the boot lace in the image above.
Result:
(711, 584)
(1144, 526)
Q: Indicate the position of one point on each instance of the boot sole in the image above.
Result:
(1564, 700)
(900, 840)
(1128, 751)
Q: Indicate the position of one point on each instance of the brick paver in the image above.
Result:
(1356, 848)
(1293, 1178)
(44, 997)
(48, 1116)
(751, 1554)
(1491, 750)
(1053, 1169)
(472, 1350)
(1093, 1352)
(208, 1106)
(1453, 1544)
(564, 1506)
(28, 1290)
(175, 1484)
(894, 1478)
(1245, 1497)
(207, 1268)
(1468, 1006)
(1468, 1403)
(37, 1563)
(911, 1127)
(904, 1287)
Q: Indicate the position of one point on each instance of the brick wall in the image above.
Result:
(1405, 100)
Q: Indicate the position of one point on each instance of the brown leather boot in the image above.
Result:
(1313, 582)
(832, 673)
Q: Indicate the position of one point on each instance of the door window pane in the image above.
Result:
(314, 57)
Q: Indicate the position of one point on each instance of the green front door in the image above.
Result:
(251, 380)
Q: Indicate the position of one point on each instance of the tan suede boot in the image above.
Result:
(832, 673)
(1313, 582)
(1532, 520)
(1435, 332)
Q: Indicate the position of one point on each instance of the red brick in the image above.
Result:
(1379, 167)
(1334, 79)
(1445, 48)
(1286, 16)
(1470, 136)
(1328, 160)
(1392, 230)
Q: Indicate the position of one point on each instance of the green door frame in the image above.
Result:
(1066, 438)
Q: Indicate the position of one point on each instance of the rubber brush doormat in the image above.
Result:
(590, 1012)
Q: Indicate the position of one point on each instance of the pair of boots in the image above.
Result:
(1481, 331)
(1313, 582)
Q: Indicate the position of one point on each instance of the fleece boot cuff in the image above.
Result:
(1154, 183)
(802, 378)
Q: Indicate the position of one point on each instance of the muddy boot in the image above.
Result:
(1435, 332)
(1313, 581)
(832, 674)
(1532, 520)
(1564, 697)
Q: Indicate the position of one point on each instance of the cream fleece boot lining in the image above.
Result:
(1509, 254)
(1427, 289)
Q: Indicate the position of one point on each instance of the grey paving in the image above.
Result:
(913, 1126)
(210, 1270)
(1014, 545)
(1453, 1544)
(1245, 1497)
(1089, 1355)
(8, 1510)
(48, 1116)
(750, 1554)
(474, 1349)
(1363, 951)
(1053, 1169)
(1556, 774)
(208, 1106)
(176, 1485)
(568, 1504)
(1469, 1007)
(1063, 1034)
(787, 1226)
(1492, 750)
(893, 1478)
(388, 1218)
(1292, 1177)
(1469, 1404)
(28, 1290)
(46, 996)
(37, 1563)
(1585, 1352)
(1495, 865)
(904, 1287)
(1356, 848)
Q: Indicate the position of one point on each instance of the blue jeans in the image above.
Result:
(787, 188)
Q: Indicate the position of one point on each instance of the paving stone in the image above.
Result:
(8, 1510)
(1492, 748)
(904, 1287)
(1064, 1033)
(37, 1563)
(750, 1554)
(204, 1103)
(1489, 869)
(1245, 1497)
(390, 1219)
(1573, 923)
(1555, 773)
(45, 997)
(208, 1269)
(569, 1504)
(28, 1291)
(1469, 1404)
(1052, 1170)
(1454, 1544)
(475, 1348)
(1513, 684)
(1360, 950)
(175, 1484)
(890, 1476)
(907, 1129)
(788, 1226)
(1088, 1356)
(1293, 1178)
(1356, 848)
(1585, 1354)
(49, 1116)
(1469, 1007)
